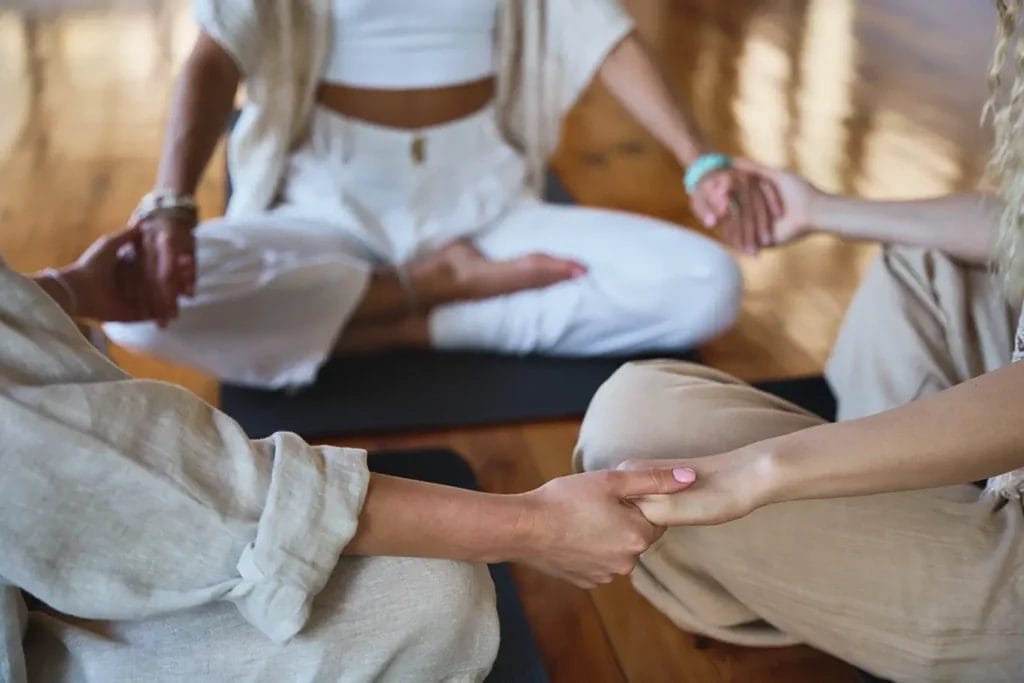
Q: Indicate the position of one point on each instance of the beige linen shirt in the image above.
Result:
(128, 499)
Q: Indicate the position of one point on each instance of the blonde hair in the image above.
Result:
(1006, 111)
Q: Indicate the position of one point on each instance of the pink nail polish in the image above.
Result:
(684, 475)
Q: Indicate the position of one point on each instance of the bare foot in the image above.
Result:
(408, 332)
(459, 272)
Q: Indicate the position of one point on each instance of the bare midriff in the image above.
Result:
(410, 109)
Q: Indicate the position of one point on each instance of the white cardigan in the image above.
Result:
(549, 52)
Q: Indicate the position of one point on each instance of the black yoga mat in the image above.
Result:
(518, 659)
(421, 390)
(810, 393)
(430, 390)
(424, 390)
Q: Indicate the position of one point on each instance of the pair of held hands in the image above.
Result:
(752, 206)
(598, 523)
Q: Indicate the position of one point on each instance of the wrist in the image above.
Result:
(168, 219)
(506, 530)
(688, 151)
(821, 206)
(779, 468)
(530, 535)
(180, 206)
(704, 166)
(78, 283)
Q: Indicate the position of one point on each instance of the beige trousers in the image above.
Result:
(926, 585)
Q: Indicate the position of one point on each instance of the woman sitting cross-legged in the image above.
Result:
(144, 537)
(864, 538)
(386, 170)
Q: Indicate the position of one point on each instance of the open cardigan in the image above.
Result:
(548, 52)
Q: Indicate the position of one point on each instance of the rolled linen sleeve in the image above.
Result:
(310, 515)
(125, 499)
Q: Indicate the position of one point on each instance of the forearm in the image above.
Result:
(64, 297)
(410, 518)
(970, 432)
(202, 102)
(960, 225)
(71, 288)
(634, 78)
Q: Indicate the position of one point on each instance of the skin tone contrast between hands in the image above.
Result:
(964, 434)
(742, 205)
(581, 528)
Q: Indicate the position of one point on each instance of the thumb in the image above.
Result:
(650, 481)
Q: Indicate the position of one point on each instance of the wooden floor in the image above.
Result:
(874, 97)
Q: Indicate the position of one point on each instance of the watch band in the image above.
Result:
(164, 200)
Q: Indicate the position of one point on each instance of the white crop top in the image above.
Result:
(409, 44)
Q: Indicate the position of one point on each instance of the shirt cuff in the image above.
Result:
(312, 512)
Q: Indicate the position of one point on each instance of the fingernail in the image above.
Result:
(579, 271)
(709, 220)
(684, 475)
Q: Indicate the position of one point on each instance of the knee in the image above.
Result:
(406, 618)
(459, 595)
(899, 277)
(639, 413)
(893, 335)
(462, 592)
(934, 657)
(701, 301)
(721, 301)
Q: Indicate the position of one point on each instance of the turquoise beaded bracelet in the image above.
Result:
(702, 166)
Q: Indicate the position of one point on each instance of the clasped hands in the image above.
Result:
(754, 207)
(595, 525)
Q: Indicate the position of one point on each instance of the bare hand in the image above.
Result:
(796, 195)
(459, 272)
(168, 262)
(588, 532)
(743, 205)
(105, 282)
(728, 486)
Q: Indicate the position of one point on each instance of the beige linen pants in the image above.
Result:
(926, 585)
(378, 619)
